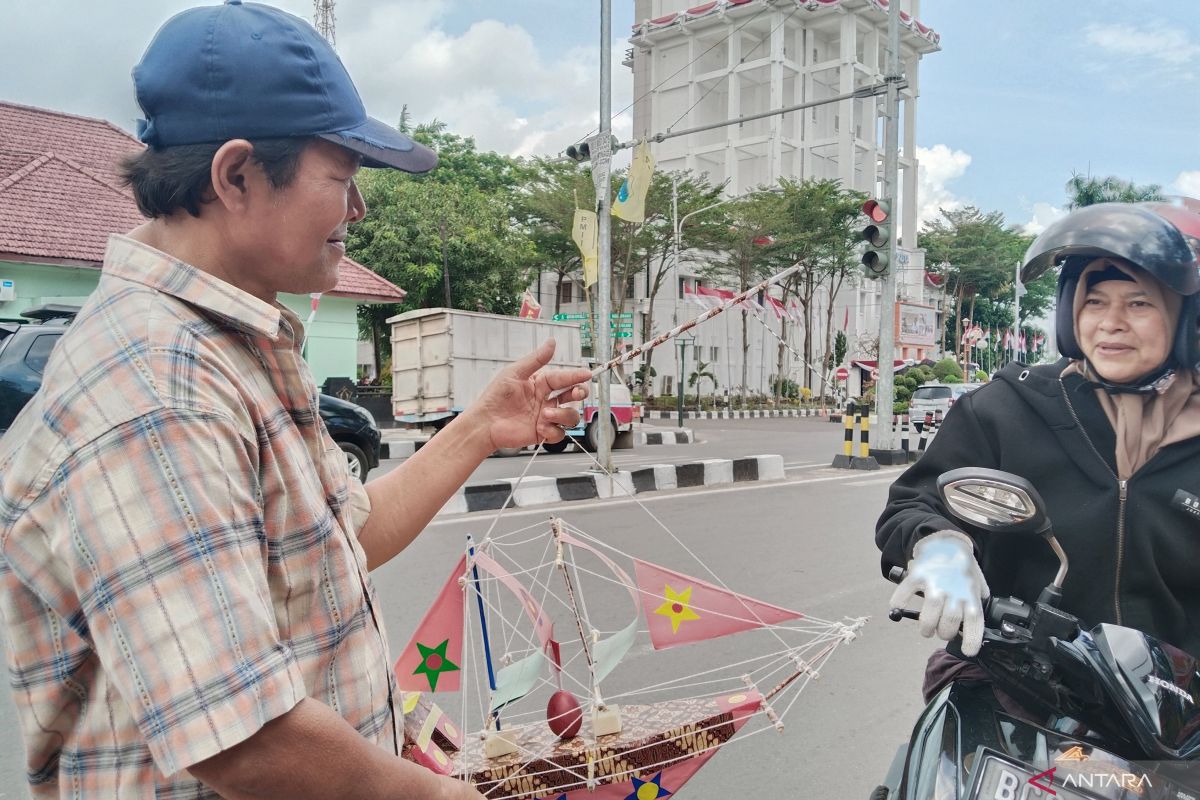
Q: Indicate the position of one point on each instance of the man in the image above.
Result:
(183, 554)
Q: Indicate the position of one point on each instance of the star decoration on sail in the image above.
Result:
(434, 663)
(677, 607)
(648, 790)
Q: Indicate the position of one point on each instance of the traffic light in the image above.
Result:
(876, 234)
(580, 152)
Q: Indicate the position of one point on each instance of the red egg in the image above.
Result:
(564, 714)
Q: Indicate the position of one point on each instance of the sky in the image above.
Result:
(1023, 93)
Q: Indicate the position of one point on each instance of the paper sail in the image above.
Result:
(543, 626)
(432, 659)
(517, 680)
(609, 652)
(681, 609)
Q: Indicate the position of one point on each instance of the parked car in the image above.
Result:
(936, 397)
(355, 431)
(24, 348)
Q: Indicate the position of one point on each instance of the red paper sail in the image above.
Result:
(432, 660)
(681, 609)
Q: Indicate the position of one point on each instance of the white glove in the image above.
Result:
(943, 567)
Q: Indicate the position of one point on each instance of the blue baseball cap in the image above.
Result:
(246, 71)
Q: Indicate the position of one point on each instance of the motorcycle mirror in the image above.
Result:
(1002, 502)
(994, 500)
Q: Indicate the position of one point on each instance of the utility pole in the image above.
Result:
(601, 153)
(885, 447)
(1018, 290)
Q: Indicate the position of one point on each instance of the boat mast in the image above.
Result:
(487, 644)
(556, 528)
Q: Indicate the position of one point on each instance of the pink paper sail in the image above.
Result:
(681, 609)
(432, 659)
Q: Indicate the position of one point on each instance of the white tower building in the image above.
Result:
(698, 64)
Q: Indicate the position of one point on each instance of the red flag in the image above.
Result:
(432, 660)
(680, 609)
(846, 319)
(709, 298)
(777, 307)
(530, 308)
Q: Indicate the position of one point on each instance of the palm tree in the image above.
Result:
(1085, 190)
(703, 371)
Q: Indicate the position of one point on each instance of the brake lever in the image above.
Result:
(900, 614)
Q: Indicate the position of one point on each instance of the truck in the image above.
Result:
(442, 358)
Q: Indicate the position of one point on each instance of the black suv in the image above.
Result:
(24, 349)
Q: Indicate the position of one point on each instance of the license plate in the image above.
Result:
(999, 779)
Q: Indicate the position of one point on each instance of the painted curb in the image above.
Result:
(747, 414)
(538, 490)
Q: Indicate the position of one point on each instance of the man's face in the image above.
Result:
(299, 231)
(1123, 331)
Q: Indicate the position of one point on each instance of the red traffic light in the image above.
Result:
(877, 210)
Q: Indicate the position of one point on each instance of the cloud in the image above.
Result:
(936, 167)
(1187, 183)
(491, 81)
(1043, 215)
(1152, 49)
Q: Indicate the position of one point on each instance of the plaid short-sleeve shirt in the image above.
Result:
(178, 552)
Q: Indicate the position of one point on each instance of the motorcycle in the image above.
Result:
(1116, 709)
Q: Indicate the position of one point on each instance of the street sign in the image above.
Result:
(622, 315)
(587, 337)
(612, 325)
(562, 317)
(842, 373)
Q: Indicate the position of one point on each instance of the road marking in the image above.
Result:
(647, 497)
(872, 481)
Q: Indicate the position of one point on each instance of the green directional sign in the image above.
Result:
(587, 337)
(563, 317)
(613, 325)
(622, 315)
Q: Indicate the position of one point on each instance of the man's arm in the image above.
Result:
(512, 411)
(312, 752)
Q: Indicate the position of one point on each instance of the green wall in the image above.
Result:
(332, 338)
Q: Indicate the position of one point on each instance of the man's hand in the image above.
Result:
(513, 408)
(943, 567)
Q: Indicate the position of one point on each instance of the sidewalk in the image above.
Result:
(402, 442)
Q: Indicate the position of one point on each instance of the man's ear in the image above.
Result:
(235, 176)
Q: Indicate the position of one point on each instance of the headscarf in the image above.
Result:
(1144, 422)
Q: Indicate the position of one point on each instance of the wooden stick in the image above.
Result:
(686, 326)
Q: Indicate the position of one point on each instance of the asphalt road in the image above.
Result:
(804, 543)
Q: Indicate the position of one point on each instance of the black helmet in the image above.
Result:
(1161, 238)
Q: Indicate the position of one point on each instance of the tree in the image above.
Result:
(448, 237)
(746, 251)
(1084, 190)
(977, 255)
(702, 372)
(547, 210)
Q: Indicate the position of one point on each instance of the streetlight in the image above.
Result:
(945, 268)
(685, 341)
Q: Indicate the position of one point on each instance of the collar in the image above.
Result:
(138, 262)
(1153, 383)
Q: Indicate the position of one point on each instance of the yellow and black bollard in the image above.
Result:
(855, 418)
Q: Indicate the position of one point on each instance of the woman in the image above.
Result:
(1110, 436)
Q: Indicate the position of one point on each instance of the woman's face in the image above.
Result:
(1123, 331)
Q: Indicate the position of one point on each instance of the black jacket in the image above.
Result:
(1133, 561)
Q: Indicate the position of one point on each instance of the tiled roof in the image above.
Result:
(60, 196)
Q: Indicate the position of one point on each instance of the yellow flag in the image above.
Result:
(630, 204)
(584, 233)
